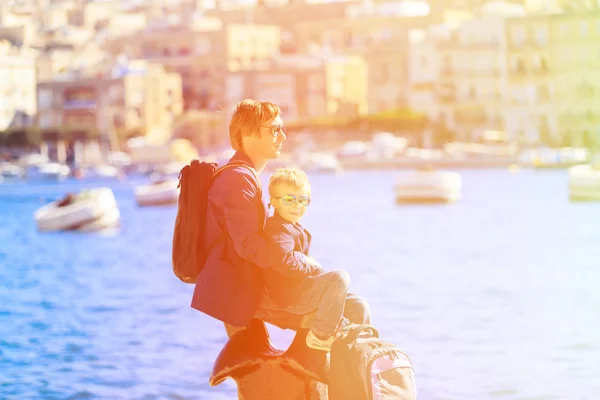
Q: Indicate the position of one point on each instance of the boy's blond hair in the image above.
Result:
(288, 176)
(247, 118)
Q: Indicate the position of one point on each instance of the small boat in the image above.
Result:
(99, 172)
(87, 211)
(428, 186)
(320, 162)
(48, 171)
(562, 158)
(10, 171)
(109, 219)
(158, 193)
(584, 182)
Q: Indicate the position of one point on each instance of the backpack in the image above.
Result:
(365, 368)
(189, 253)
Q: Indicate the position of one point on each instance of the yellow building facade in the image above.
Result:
(17, 86)
(472, 78)
(554, 77)
(202, 54)
(381, 40)
(145, 98)
(306, 88)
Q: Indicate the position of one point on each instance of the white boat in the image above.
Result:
(320, 162)
(546, 158)
(584, 182)
(109, 219)
(99, 172)
(158, 193)
(48, 171)
(93, 208)
(10, 171)
(428, 186)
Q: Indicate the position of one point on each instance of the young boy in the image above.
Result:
(296, 282)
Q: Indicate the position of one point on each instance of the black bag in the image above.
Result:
(365, 368)
(188, 252)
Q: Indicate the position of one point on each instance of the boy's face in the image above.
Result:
(290, 202)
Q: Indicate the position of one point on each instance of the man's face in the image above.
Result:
(270, 138)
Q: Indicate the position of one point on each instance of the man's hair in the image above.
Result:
(247, 118)
(288, 176)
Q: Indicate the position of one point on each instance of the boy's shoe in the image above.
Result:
(316, 343)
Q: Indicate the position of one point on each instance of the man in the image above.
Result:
(230, 287)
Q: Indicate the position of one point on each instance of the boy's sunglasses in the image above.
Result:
(276, 130)
(290, 199)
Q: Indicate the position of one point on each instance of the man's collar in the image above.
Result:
(241, 156)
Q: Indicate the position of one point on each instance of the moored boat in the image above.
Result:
(584, 182)
(160, 192)
(428, 186)
(88, 209)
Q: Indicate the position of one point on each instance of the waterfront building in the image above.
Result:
(202, 52)
(554, 77)
(17, 86)
(135, 97)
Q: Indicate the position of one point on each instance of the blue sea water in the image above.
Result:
(494, 297)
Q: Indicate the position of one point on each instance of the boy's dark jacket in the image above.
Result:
(230, 286)
(288, 277)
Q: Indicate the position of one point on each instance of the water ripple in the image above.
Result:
(494, 297)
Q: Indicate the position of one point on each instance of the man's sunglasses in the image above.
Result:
(276, 130)
(290, 199)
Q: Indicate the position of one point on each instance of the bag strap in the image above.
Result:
(232, 164)
(355, 330)
(238, 163)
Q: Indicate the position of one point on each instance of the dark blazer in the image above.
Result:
(290, 274)
(230, 286)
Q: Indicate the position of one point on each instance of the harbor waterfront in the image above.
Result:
(493, 297)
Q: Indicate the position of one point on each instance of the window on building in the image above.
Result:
(384, 73)
(540, 64)
(541, 36)
(518, 36)
(316, 83)
(118, 121)
(45, 99)
(116, 94)
(563, 29)
(202, 46)
(446, 67)
(519, 66)
(585, 55)
(136, 97)
(204, 73)
(583, 28)
(45, 120)
(516, 95)
(543, 92)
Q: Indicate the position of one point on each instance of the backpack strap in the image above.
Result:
(238, 163)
